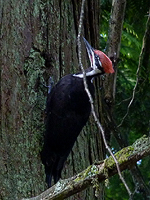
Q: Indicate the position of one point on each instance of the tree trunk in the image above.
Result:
(113, 50)
(38, 41)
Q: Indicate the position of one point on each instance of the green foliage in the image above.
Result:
(137, 122)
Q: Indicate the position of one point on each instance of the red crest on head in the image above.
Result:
(106, 62)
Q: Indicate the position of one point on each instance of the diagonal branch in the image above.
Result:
(99, 171)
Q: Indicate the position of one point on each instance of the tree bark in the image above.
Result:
(38, 41)
(113, 50)
(98, 172)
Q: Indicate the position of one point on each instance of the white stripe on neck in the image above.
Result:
(91, 73)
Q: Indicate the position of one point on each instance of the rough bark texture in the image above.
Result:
(38, 40)
(98, 172)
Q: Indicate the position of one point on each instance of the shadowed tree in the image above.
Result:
(38, 41)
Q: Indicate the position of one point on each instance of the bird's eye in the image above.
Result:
(97, 57)
(97, 61)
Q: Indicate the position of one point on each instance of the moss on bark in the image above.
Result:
(39, 40)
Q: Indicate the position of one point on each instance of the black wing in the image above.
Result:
(68, 109)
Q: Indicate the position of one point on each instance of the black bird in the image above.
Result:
(68, 109)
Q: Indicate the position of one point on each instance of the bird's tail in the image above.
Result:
(53, 171)
(53, 166)
(49, 164)
(48, 173)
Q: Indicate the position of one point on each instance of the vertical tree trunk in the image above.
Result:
(38, 41)
(113, 50)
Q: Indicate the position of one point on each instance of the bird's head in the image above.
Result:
(100, 63)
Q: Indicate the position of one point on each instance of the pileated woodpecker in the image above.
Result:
(68, 109)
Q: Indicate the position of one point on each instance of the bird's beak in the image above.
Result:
(90, 51)
(100, 63)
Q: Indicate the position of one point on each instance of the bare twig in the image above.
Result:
(137, 76)
(92, 102)
(133, 94)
